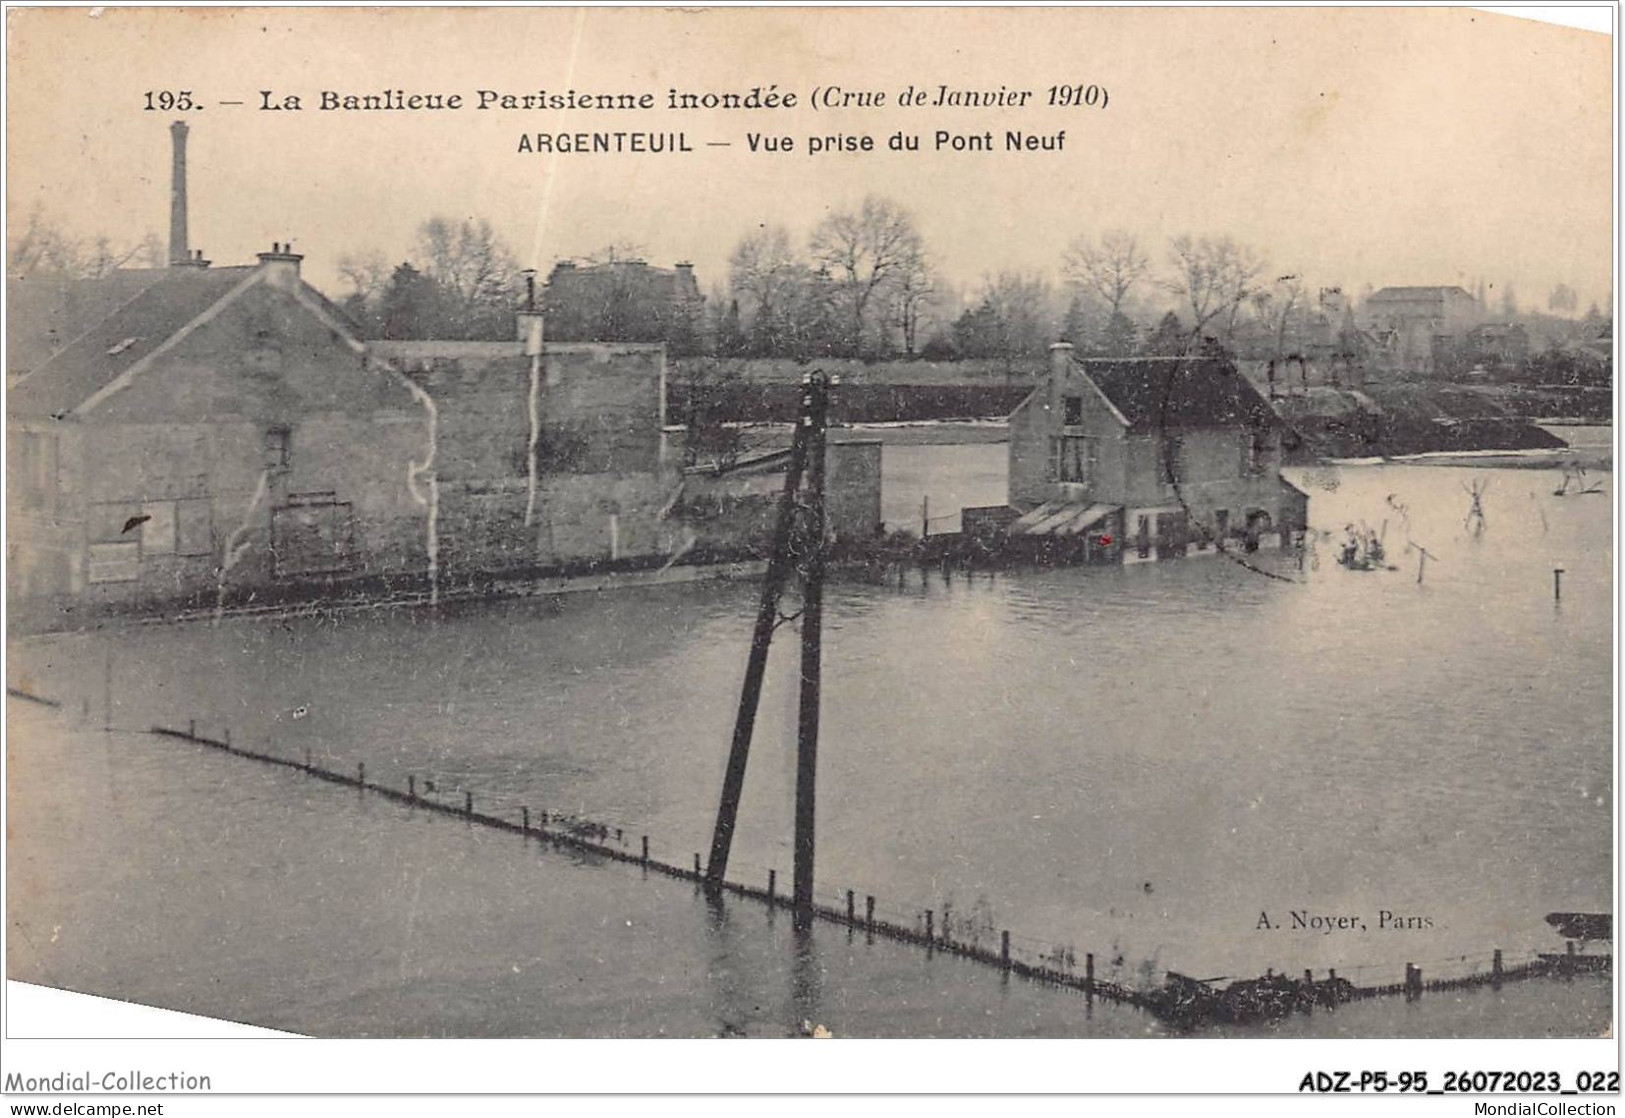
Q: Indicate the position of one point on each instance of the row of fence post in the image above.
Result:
(1060, 973)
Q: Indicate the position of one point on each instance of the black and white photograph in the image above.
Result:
(920, 523)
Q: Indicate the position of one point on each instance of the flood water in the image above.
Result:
(1158, 764)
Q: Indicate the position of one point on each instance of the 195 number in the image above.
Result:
(170, 101)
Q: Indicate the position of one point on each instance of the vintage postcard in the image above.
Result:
(619, 523)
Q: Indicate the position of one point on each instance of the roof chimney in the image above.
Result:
(530, 319)
(1060, 358)
(281, 265)
(179, 254)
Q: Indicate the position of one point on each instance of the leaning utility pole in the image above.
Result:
(814, 401)
(812, 635)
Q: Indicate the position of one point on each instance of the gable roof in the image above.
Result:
(122, 339)
(45, 313)
(1153, 393)
(1388, 294)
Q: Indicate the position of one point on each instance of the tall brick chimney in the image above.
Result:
(180, 255)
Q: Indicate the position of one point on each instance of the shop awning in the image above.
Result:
(1061, 518)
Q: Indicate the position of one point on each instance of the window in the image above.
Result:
(1171, 460)
(312, 537)
(158, 529)
(1079, 459)
(278, 449)
(194, 527)
(114, 562)
(1072, 407)
(1255, 451)
(35, 476)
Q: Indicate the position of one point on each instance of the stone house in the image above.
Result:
(1422, 329)
(1153, 457)
(625, 301)
(223, 433)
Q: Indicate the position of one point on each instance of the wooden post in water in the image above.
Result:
(468, 804)
(930, 931)
(1004, 949)
(925, 517)
(107, 693)
(1496, 968)
(767, 618)
(412, 789)
(851, 907)
(1089, 974)
(869, 912)
(772, 887)
(1557, 584)
(1422, 558)
(307, 758)
(191, 727)
(361, 775)
(644, 860)
(524, 820)
(697, 869)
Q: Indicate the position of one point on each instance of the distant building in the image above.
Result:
(551, 455)
(1504, 344)
(625, 301)
(1422, 329)
(1148, 458)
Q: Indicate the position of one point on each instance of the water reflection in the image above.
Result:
(1051, 740)
(806, 978)
(723, 959)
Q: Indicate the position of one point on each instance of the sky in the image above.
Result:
(1352, 146)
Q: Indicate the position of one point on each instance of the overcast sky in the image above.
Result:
(1354, 146)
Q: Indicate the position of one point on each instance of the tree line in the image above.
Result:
(861, 284)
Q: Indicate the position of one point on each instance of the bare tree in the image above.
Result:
(762, 270)
(367, 273)
(1563, 300)
(1024, 304)
(912, 293)
(42, 247)
(864, 252)
(1213, 277)
(1280, 308)
(1111, 267)
(467, 260)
